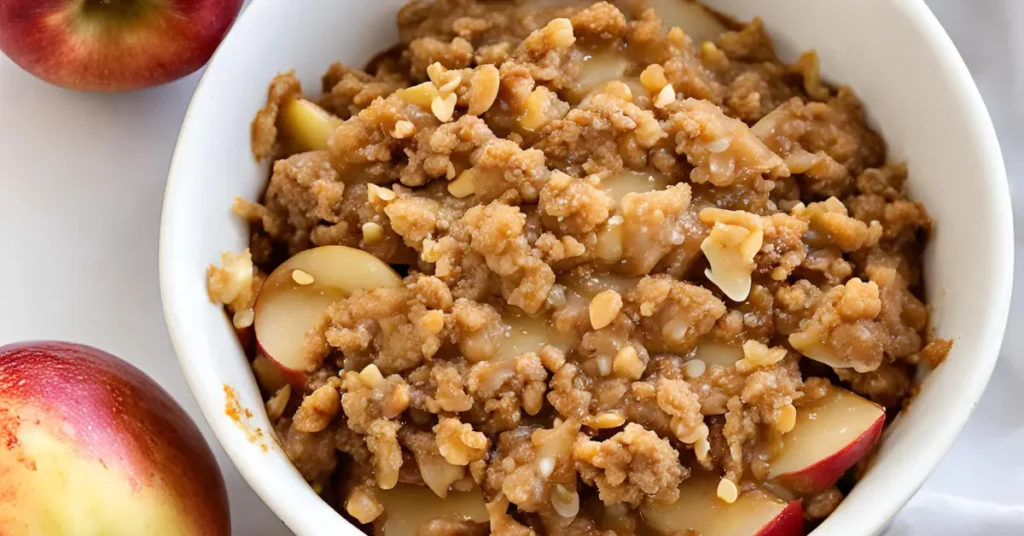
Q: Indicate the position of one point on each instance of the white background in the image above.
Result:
(81, 184)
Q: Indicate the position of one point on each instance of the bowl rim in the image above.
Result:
(924, 462)
(983, 130)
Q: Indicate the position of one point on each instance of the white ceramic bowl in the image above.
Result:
(917, 91)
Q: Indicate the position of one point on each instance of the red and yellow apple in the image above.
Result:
(829, 437)
(296, 295)
(90, 445)
(113, 45)
(755, 513)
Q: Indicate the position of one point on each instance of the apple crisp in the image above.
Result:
(558, 268)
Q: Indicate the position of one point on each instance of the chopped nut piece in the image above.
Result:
(627, 364)
(666, 96)
(232, 284)
(538, 113)
(374, 192)
(443, 108)
(382, 442)
(653, 78)
(244, 318)
(403, 129)
(372, 233)
(277, 403)
(727, 491)
(787, 419)
(458, 443)
(604, 308)
(433, 321)
(560, 33)
(605, 421)
(463, 186)
(421, 95)
(302, 278)
(565, 501)
(436, 72)
(363, 505)
(735, 238)
(546, 466)
(756, 355)
(483, 89)
(694, 368)
(701, 449)
(371, 376)
(317, 410)
(449, 86)
(698, 433)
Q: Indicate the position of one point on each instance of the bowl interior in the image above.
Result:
(893, 53)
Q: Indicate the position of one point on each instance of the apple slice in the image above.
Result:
(525, 334)
(828, 438)
(588, 284)
(617, 185)
(407, 508)
(304, 126)
(716, 353)
(755, 513)
(296, 295)
(601, 67)
(697, 21)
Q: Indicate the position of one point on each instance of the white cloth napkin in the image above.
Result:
(979, 488)
(939, 514)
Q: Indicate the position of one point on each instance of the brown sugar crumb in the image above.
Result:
(887, 385)
(630, 466)
(497, 234)
(450, 394)
(573, 206)
(304, 191)
(653, 224)
(723, 150)
(235, 284)
(674, 314)
(348, 91)
(830, 219)
(264, 128)
(842, 331)
(458, 443)
(382, 441)
(314, 454)
(605, 130)
(381, 322)
(626, 253)
(423, 52)
(317, 410)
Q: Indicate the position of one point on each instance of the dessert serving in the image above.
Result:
(568, 268)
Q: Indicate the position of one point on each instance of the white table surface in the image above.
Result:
(82, 179)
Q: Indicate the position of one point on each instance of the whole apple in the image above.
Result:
(90, 445)
(113, 45)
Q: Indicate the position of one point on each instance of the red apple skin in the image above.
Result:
(105, 414)
(789, 522)
(823, 474)
(299, 379)
(91, 45)
(247, 338)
